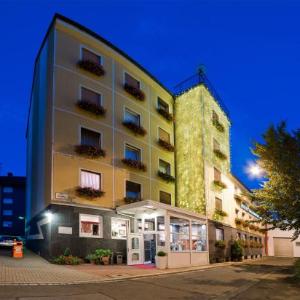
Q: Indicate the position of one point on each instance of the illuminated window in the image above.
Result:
(8, 189)
(219, 234)
(164, 167)
(165, 197)
(119, 229)
(218, 203)
(8, 201)
(90, 179)
(91, 138)
(179, 234)
(131, 81)
(132, 117)
(132, 153)
(90, 56)
(133, 190)
(90, 96)
(161, 104)
(7, 212)
(90, 226)
(7, 224)
(199, 239)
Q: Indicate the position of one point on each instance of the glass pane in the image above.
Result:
(135, 257)
(199, 236)
(88, 55)
(218, 203)
(164, 167)
(162, 105)
(161, 239)
(178, 225)
(7, 189)
(90, 96)
(131, 81)
(7, 201)
(165, 198)
(149, 224)
(132, 153)
(135, 243)
(132, 117)
(90, 179)
(164, 135)
(89, 137)
(118, 228)
(179, 242)
(161, 223)
(219, 234)
(217, 175)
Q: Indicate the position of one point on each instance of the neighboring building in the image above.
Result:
(100, 136)
(204, 182)
(12, 205)
(280, 243)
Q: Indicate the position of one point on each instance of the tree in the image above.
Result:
(278, 200)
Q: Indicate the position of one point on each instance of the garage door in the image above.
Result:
(283, 247)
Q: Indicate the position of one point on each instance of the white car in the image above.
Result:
(8, 241)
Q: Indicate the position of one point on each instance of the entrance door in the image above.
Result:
(134, 249)
(149, 248)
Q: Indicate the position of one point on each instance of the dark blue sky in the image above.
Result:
(250, 49)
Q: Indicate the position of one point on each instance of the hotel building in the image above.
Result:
(101, 155)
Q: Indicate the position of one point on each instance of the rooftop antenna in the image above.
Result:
(201, 69)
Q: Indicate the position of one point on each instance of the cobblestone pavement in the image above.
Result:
(266, 279)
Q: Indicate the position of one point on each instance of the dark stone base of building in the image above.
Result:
(230, 234)
(44, 238)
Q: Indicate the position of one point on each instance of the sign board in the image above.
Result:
(64, 230)
(250, 211)
(62, 196)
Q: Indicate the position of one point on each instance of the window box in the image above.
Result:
(220, 184)
(220, 154)
(252, 227)
(220, 244)
(97, 110)
(129, 200)
(92, 67)
(89, 192)
(135, 92)
(166, 177)
(221, 213)
(238, 198)
(136, 129)
(135, 164)
(165, 114)
(218, 125)
(89, 151)
(245, 224)
(238, 221)
(168, 146)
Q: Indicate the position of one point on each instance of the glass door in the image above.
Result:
(134, 249)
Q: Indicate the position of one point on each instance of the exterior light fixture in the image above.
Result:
(49, 216)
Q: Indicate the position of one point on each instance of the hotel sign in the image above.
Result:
(250, 211)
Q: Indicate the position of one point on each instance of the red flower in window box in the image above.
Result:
(135, 92)
(92, 67)
(90, 151)
(136, 164)
(88, 192)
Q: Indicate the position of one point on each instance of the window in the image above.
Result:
(238, 235)
(216, 145)
(164, 167)
(161, 104)
(217, 175)
(179, 234)
(165, 197)
(218, 203)
(149, 224)
(7, 212)
(133, 190)
(219, 234)
(132, 117)
(91, 138)
(215, 116)
(8, 189)
(118, 229)
(8, 201)
(90, 179)
(163, 135)
(161, 223)
(132, 81)
(90, 96)
(132, 153)
(90, 226)
(7, 224)
(199, 240)
(91, 56)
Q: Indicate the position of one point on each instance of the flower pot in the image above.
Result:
(105, 260)
(161, 262)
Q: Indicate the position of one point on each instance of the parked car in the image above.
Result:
(8, 240)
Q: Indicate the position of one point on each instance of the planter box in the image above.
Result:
(161, 262)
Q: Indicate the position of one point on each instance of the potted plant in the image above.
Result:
(161, 260)
(220, 250)
(236, 251)
(104, 255)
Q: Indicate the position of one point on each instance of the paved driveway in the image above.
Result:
(259, 280)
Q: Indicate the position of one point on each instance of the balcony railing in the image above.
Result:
(195, 80)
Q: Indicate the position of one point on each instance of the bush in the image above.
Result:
(220, 184)
(67, 260)
(67, 252)
(220, 244)
(236, 251)
(96, 257)
(161, 253)
(221, 212)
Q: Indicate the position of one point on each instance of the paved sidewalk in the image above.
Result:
(34, 270)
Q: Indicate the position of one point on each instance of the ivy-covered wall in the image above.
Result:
(194, 132)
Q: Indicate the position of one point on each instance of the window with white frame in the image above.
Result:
(8, 201)
(90, 180)
(132, 117)
(219, 234)
(199, 236)
(90, 56)
(90, 226)
(164, 167)
(90, 96)
(132, 152)
(131, 81)
(161, 104)
(149, 224)
(7, 212)
(90, 137)
(163, 135)
(179, 234)
(161, 235)
(133, 190)
(119, 228)
(7, 189)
